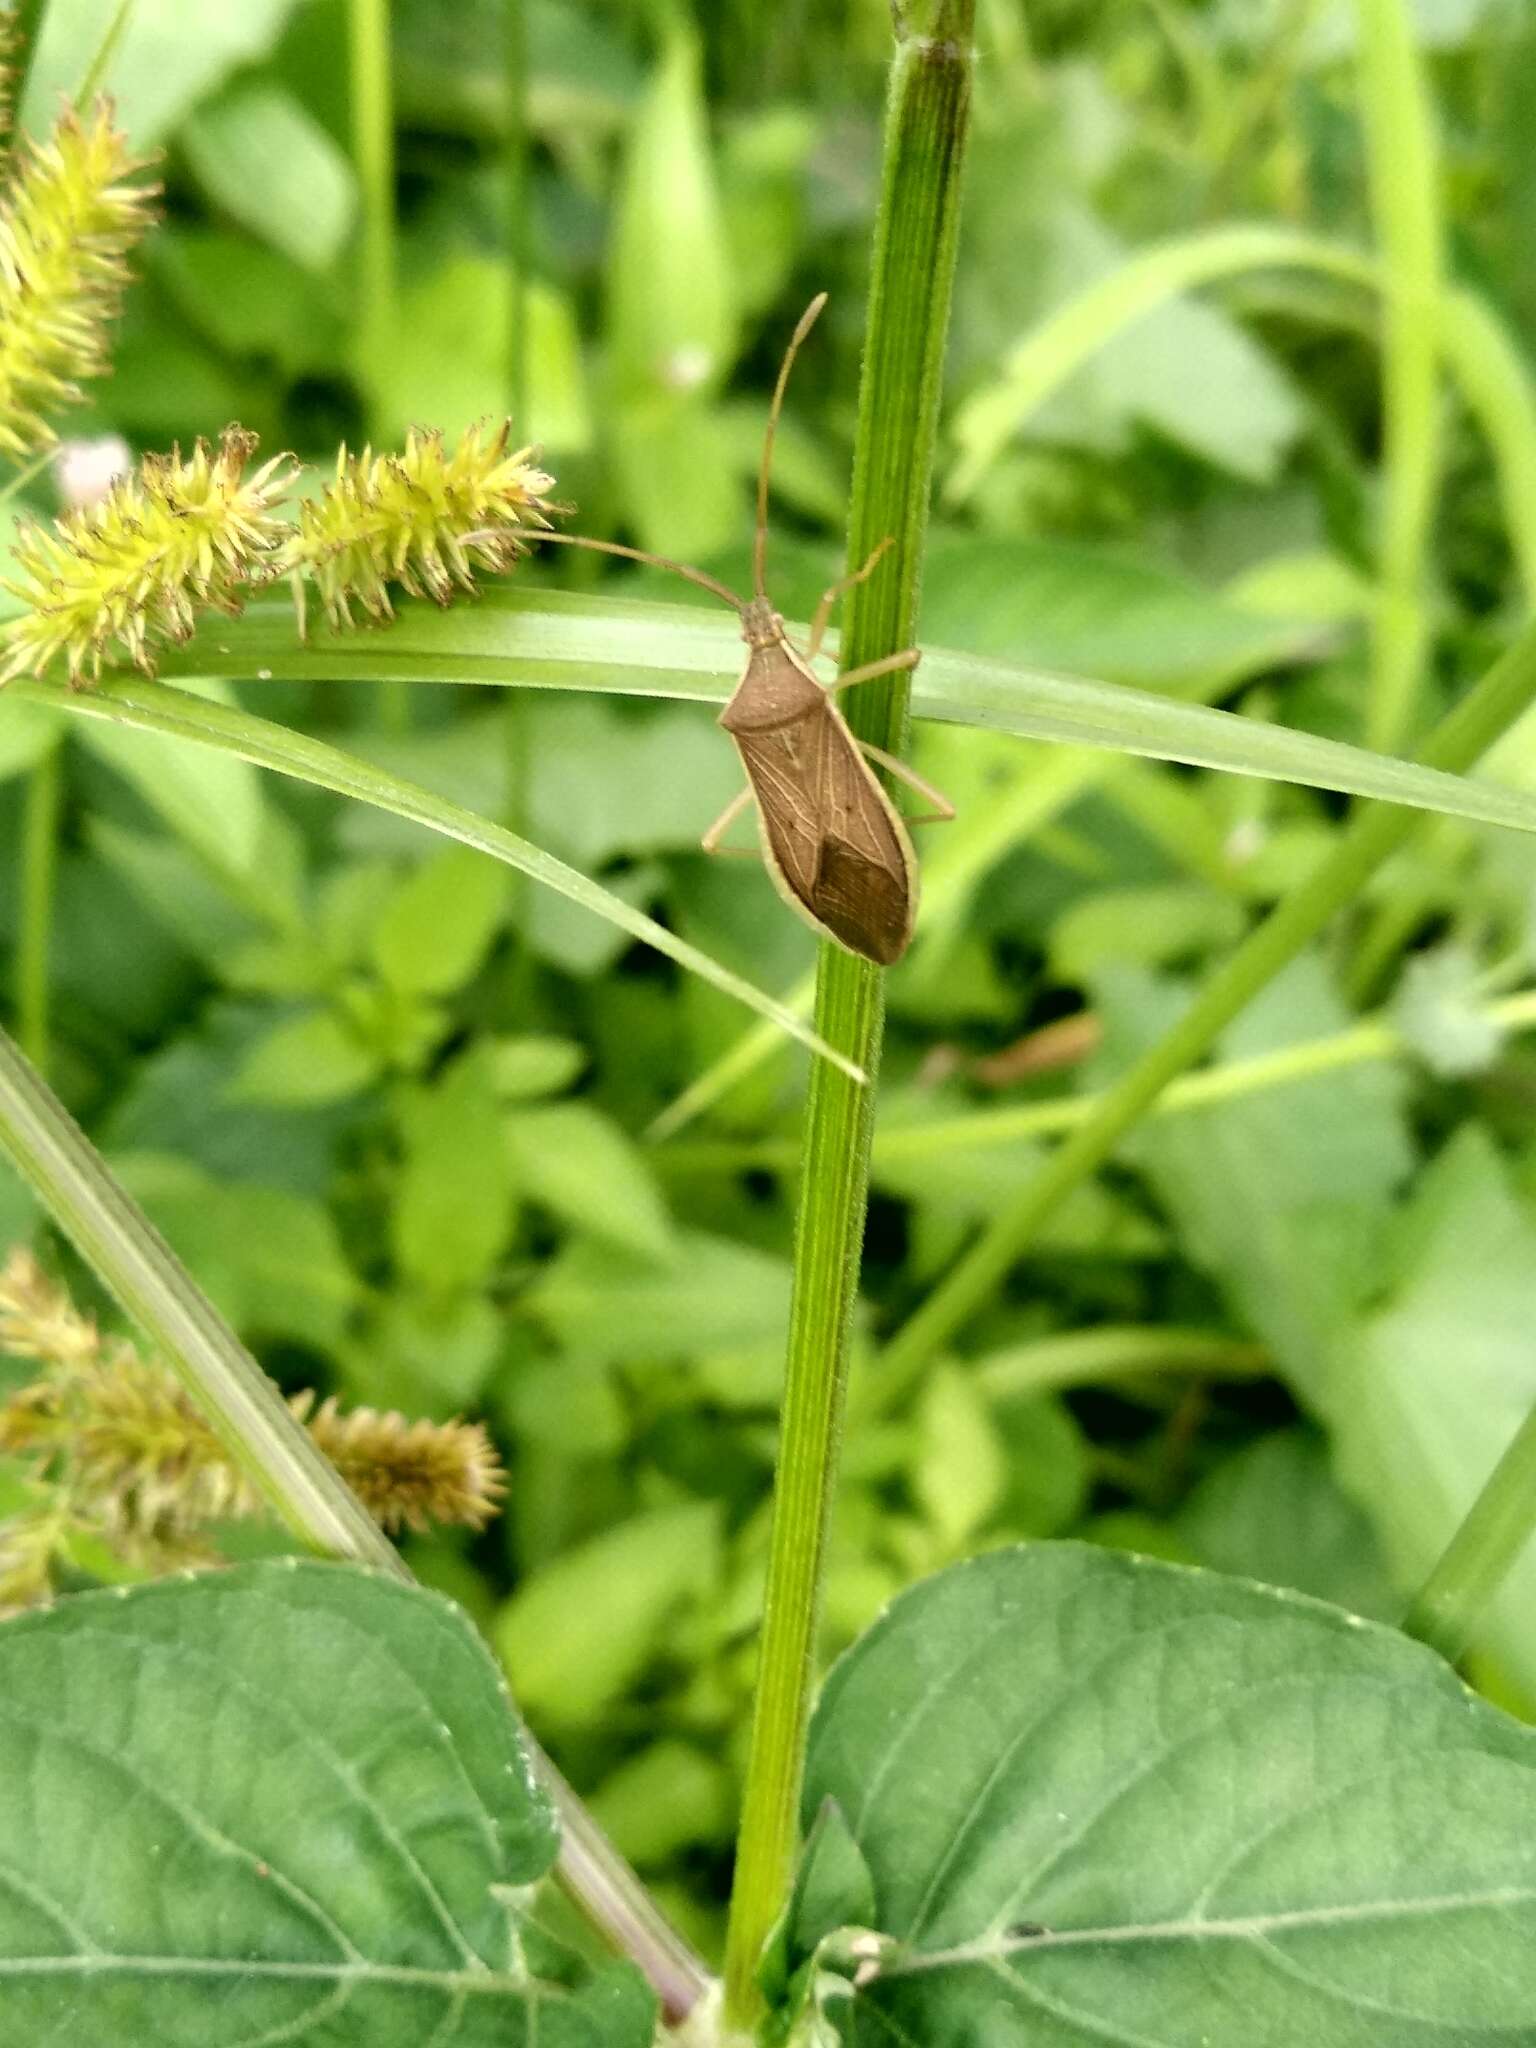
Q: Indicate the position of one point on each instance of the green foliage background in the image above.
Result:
(392, 1105)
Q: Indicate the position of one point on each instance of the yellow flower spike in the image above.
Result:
(133, 570)
(424, 519)
(68, 220)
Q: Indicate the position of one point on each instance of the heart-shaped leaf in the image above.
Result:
(1110, 1801)
(280, 1803)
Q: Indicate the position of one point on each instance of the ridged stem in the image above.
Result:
(927, 119)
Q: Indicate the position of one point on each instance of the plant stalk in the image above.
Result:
(1372, 836)
(1400, 150)
(927, 119)
(1451, 1602)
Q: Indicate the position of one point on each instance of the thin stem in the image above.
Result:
(1080, 1358)
(1400, 148)
(519, 252)
(262, 1437)
(1373, 835)
(1451, 1602)
(373, 151)
(927, 119)
(39, 864)
(1372, 1039)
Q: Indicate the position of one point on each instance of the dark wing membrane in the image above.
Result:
(830, 834)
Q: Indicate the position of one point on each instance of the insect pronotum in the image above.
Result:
(832, 840)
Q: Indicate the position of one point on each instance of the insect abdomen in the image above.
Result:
(862, 903)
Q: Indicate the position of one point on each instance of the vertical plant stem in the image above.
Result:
(927, 118)
(1498, 1526)
(373, 153)
(253, 1423)
(1400, 149)
(1373, 835)
(39, 864)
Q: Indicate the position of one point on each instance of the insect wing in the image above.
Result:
(833, 843)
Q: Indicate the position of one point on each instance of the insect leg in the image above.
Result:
(943, 810)
(830, 597)
(727, 818)
(908, 658)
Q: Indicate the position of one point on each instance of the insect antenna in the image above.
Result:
(760, 538)
(613, 547)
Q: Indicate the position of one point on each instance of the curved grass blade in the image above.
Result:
(150, 707)
(555, 640)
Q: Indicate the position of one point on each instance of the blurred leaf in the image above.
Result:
(1092, 611)
(175, 886)
(1282, 1195)
(311, 1058)
(675, 462)
(581, 1630)
(438, 924)
(574, 1161)
(1047, 1465)
(1152, 927)
(1272, 1510)
(215, 805)
(27, 733)
(270, 1259)
(568, 1405)
(247, 299)
(1056, 1759)
(714, 1294)
(453, 1206)
(670, 318)
(669, 1797)
(268, 163)
(171, 54)
(428, 1354)
(532, 1066)
(959, 1473)
(449, 365)
(1441, 1010)
(1435, 1380)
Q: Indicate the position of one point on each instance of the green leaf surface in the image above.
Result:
(214, 804)
(291, 1794)
(1110, 1801)
(436, 928)
(712, 1294)
(312, 1058)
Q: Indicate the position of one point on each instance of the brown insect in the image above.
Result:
(835, 845)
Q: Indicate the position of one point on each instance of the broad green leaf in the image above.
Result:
(557, 641)
(1105, 1800)
(1272, 1510)
(1440, 1008)
(453, 1206)
(437, 926)
(312, 1058)
(291, 1794)
(265, 160)
(1434, 1382)
(574, 1161)
(151, 708)
(581, 1629)
(171, 53)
